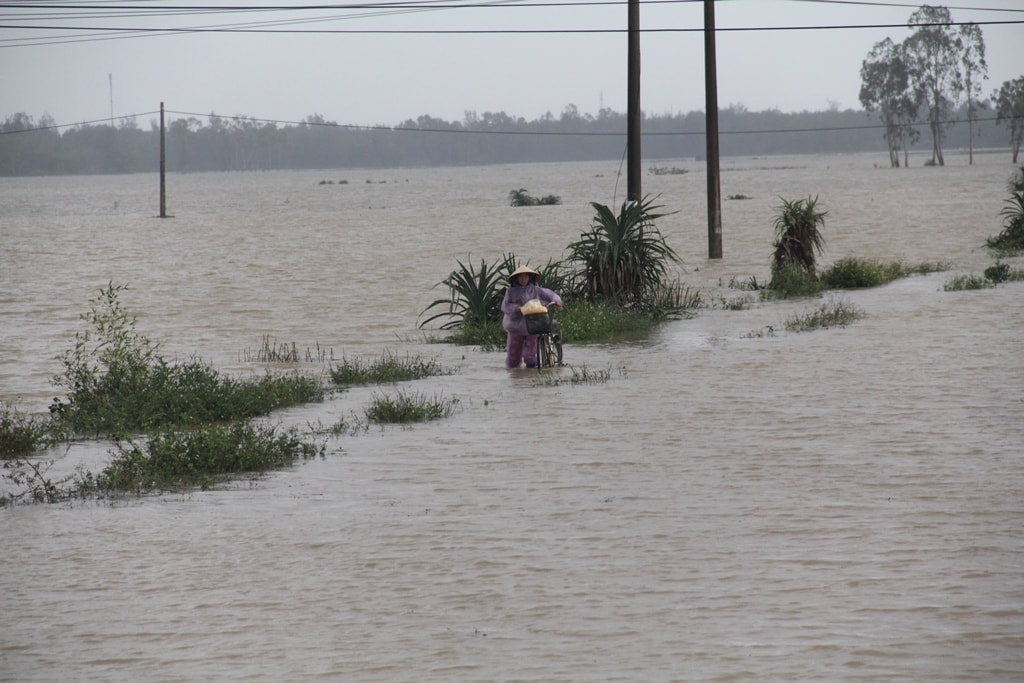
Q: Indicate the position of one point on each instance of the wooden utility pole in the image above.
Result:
(163, 166)
(711, 132)
(633, 152)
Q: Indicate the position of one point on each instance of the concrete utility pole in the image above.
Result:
(711, 132)
(163, 166)
(633, 152)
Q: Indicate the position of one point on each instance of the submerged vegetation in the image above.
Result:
(389, 368)
(20, 433)
(614, 283)
(523, 198)
(172, 460)
(404, 407)
(118, 383)
(184, 424)
(1010, 242)
(834, 313)
(177, 425)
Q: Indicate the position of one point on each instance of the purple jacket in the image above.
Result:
(514, 322)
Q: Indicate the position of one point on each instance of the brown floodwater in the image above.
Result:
(734, 502)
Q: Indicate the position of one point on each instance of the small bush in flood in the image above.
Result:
(20, 434)
(854, 273)
(119, 384)
(179, 459)
(792, 280)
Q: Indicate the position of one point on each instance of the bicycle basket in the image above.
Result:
(538, 323)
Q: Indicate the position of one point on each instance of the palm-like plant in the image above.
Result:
(474, 296)
(798, 235)
(622, 255)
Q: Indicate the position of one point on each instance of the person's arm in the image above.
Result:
(551, 296)
(509, 307)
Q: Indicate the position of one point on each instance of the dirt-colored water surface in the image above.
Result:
(730, 505)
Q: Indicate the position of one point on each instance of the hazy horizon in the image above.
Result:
(388, 64)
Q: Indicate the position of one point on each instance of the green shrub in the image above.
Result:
(792, 280)
(20, 434)
(522, 198)
(118, 384)
(854, 273)
(1000, 272)
(179, 459)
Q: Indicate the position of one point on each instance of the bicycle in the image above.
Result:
(549, 338)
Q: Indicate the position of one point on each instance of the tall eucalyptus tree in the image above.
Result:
(933, 57)
(1009, 102)
(975, 70)
(885, 88)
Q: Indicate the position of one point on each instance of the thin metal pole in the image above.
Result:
(633, 105)
(163, 165)
(711, 124)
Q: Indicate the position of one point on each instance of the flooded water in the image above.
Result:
(730, 505)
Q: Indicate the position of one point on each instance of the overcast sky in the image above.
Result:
(370, 66)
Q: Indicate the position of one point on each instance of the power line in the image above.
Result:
(515, 31)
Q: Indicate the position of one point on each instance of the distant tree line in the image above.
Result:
(240, 143)
(941, 66)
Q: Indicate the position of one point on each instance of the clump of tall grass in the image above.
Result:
(388, 368)
(404, 407)
(834, 313)
(272, 351)
(117, 383)
(177, 459)
(578, 375)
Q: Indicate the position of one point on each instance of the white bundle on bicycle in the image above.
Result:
(533, 307)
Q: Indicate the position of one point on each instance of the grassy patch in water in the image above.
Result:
(586, 321)
(174, 460)
(387, 369)
(959, 283)
(406, 407)
(578, 375)
(835, 313)
(849, 273)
